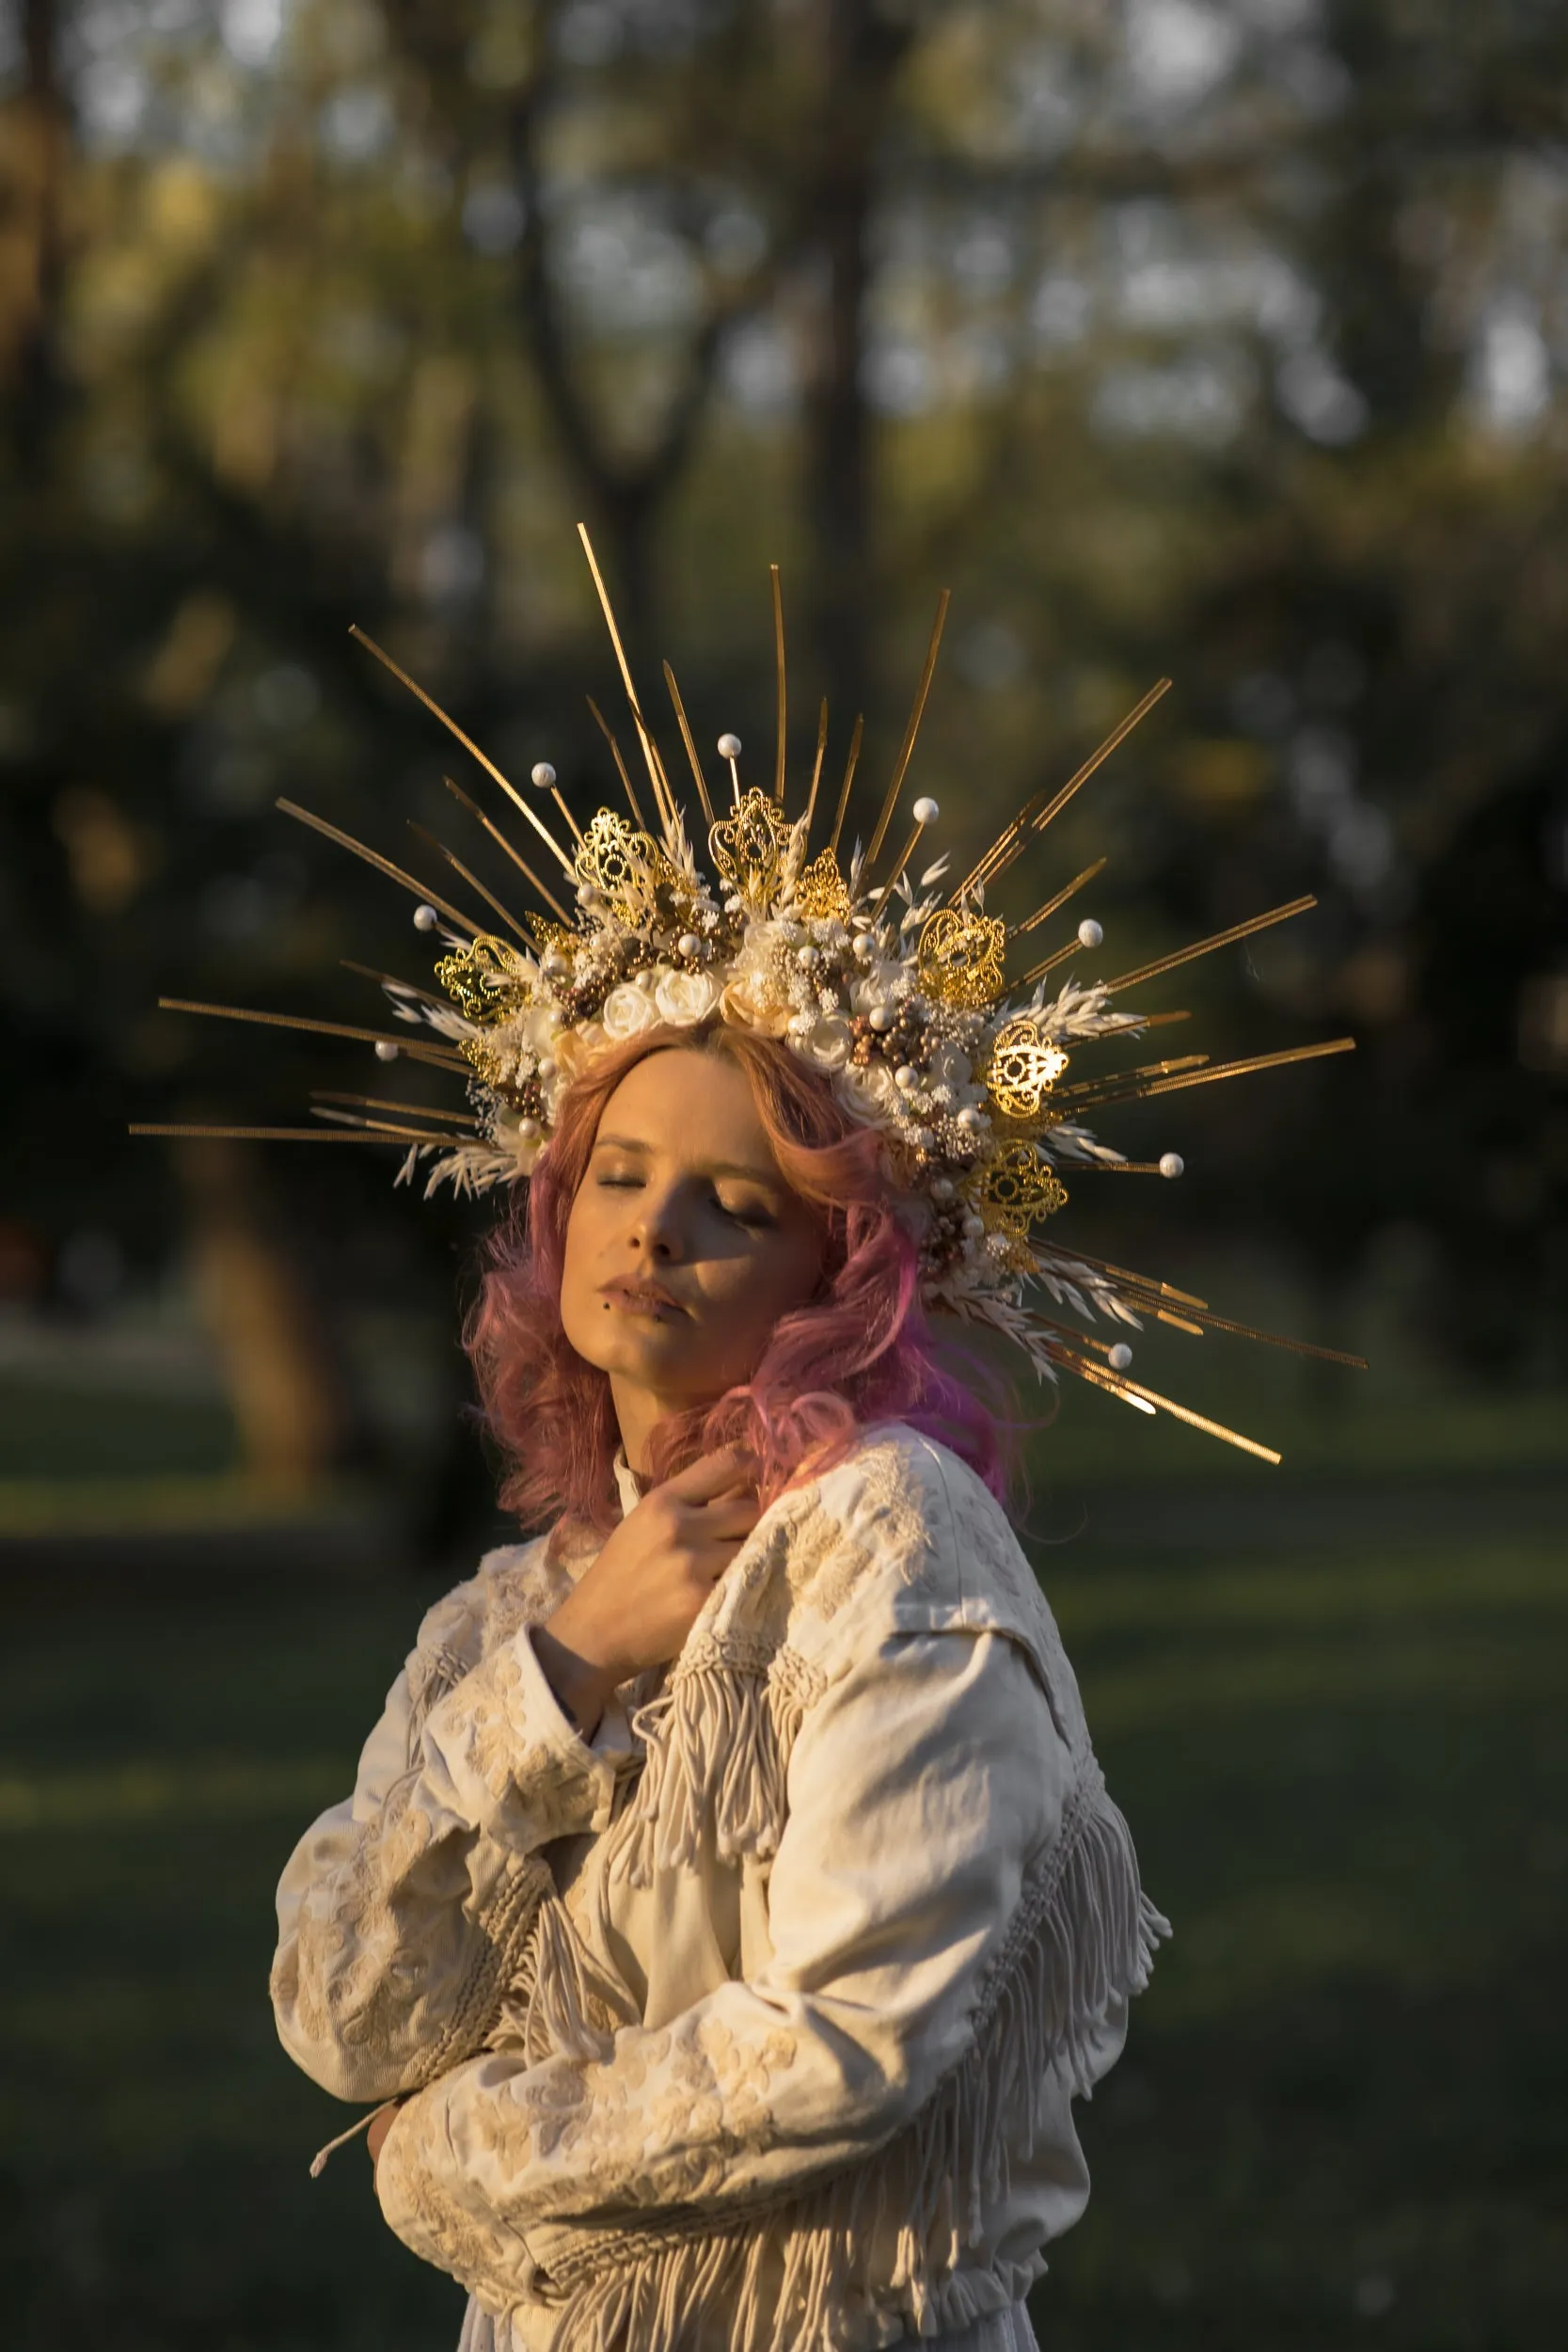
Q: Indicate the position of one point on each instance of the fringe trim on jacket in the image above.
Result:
(718, 1743)
(810, 2273)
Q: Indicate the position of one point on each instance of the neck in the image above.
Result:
(637, 1411)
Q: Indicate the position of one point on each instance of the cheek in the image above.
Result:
(754, 1292)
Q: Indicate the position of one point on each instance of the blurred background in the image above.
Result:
(1217, 338)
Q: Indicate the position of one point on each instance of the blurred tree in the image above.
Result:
(1223, 338)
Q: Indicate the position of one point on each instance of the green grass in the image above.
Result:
(1342, 2119)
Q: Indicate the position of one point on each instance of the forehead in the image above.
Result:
(692, 1107)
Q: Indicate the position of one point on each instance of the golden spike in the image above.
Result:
(382, 865)
(1145, 1070)
(279, 1135)
(497, 836)
(1048, 964)
(1229, 1070)
(687, 739)
(1167, 1404)
(1271, 1339)
(906, 749)
(1206, 946)
(1038, 812)
(416, 1048)
(1144, 1021)
(1179, 1323)
(379, 1103)
(472, 879)
(1111, 1168)
(573, 827)
(899, 864)
(848, 779)
(388, 1127)
(816, 767)
(1117, 734)
(779, 660)
(1062, 1260)
(619, 764)
(1099, 1377)
(1033, 922)
(390, 979)
(655, 774)
(469, 745)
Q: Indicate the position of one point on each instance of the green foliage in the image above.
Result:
(1340, 2112)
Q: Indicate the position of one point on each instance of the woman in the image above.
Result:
(729, 1900)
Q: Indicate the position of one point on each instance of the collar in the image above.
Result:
(628, 1486)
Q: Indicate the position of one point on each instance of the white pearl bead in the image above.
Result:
(974, 1226)
(546, 1069)
(528, 1129)
(544, 774)
(729, 747)
(805, 957)
(1119, 1357)
(969, 1120)
(425, 918)
(925, 812)
(385, 1050)
(1172, 1164)
(688, 944)
(865, 948)
(880, 1018)
(942, 1188)
(1090, 933)
(905, 1077)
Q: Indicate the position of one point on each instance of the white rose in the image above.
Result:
(867, 1090)
(875, 989)
(826, 1044)
(540, 1025)
(686, 997)
(626, 1012)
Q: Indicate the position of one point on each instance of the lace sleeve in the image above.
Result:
(402, 1910)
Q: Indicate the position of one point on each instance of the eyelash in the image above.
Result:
(757, 1217)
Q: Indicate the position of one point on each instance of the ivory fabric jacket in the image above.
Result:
(754, 2024)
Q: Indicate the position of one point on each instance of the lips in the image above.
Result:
(642, 1298)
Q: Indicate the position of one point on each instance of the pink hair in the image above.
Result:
(859, 1353)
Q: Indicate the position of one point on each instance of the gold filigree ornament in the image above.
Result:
(820, 895)
(1019, 1189)
(960, 957)
(618, 861)
(1024, 1066)
(486, 980)
(749, 848)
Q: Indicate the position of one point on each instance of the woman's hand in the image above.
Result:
(638, 1602)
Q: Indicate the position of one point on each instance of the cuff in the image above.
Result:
(513, 1764)
(492, 2260)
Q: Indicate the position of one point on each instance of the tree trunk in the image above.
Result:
(860, 53)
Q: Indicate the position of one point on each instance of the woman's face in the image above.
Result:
(684, 1245)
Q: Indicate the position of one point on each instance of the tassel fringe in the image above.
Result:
(717, 1744)
(879, 2244)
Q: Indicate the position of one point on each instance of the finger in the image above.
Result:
(715, 1473)
(726, 1520)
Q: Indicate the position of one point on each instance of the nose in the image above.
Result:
(657, 1229)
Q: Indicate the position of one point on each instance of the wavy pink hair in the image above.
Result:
(858, 1353)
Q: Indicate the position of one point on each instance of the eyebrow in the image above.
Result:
(712, 1167)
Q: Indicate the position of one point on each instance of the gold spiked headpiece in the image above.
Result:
(891, 986)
